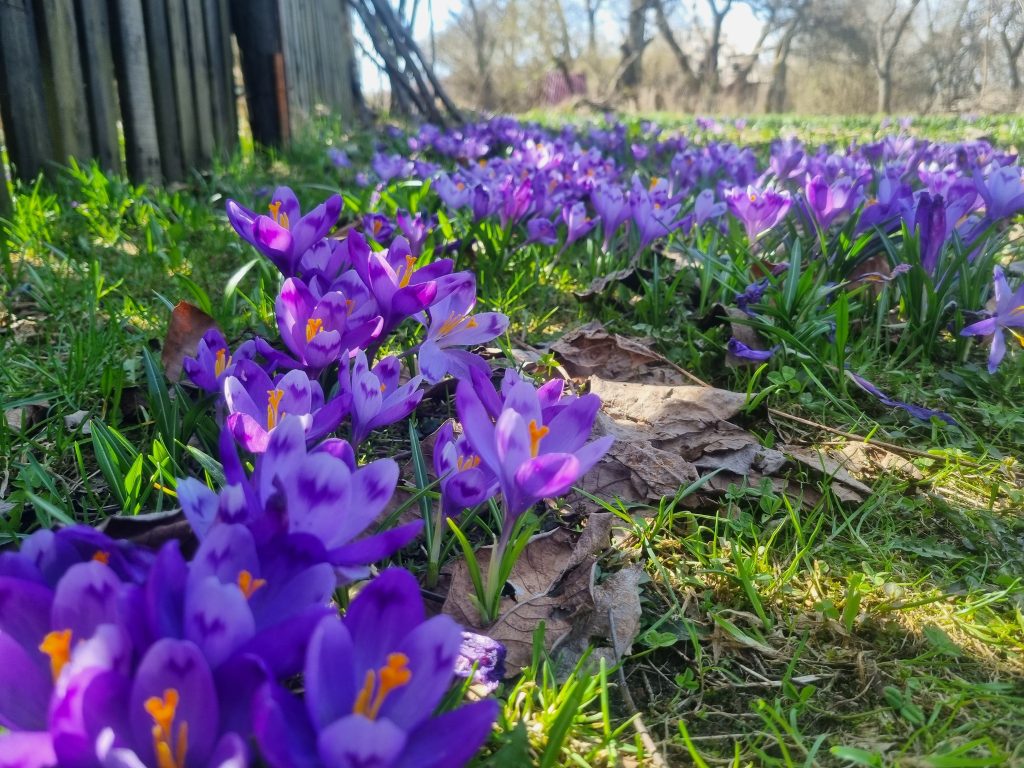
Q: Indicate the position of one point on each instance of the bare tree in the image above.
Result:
(691, 82)
(889, 29)
(592, 7)
(790, 16)
(633, 46)
(1011, 35)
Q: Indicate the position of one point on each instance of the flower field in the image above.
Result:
(619, 443)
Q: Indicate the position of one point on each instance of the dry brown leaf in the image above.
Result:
(552, 584)
(591, 351)
(600, 286)
(187, 326)
(24, 416)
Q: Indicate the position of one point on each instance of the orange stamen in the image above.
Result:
(222, 361)
(101, 557)
(454, 321)
(410, 264)
(274, 414)
(536, 435)
(57, 645)
(170, 752)
(468, 462)
(277, 214)
(392, 676)
(313, 326)
(249, 585)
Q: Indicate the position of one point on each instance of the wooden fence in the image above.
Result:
(149, 86)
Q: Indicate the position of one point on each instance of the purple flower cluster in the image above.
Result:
(114, 655)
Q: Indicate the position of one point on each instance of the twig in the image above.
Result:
(638, 724)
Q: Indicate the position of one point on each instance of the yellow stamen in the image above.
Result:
(1017, 335)
(377, 224)
(249, 585)
(410, 264)
(1017, 311)
(313, 326)
(753, 198)
(454, 321)
(101, 557)
(392, 676)
(536, 435)
(468, 462)
(274, 413)
(170, 751)
(460, 186)
(278, 215)
(349, 306)
(221, 363)
(654, 182)
(383, 387)
(57, 645)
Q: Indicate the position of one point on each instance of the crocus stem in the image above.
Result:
(433, 562)
(495, 584)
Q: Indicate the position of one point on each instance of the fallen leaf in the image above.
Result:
(25, 415)
(187, 325)
(76, 420)
(599, 286)
(152, 529)
(590, 350)
(551, 582)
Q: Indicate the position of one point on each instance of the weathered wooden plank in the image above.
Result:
(256, 27)
(161, 72)
(98, 66)
(200, 79)
(228, 64)
(142, 145)
(185, 107)
(5, 203)
(22, 100)
(65, 84)
(218, 75)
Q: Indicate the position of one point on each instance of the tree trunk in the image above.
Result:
(483, 67)
(633, 47)
(691, 83)
(775, 101)
(592, 7)
(711, 78)
(884, 92)
(1013, 52)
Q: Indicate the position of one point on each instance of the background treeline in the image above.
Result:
(808, 56)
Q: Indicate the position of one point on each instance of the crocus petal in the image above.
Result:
(85, 598)
(25, 686)
(24, 610)
(217, 619)
(373, 548)
(550, 474)
(997, 351)
(431, 745)
(27, 750)
(380, 616)
(330, 676)
(248, 432)
(512, 439)
(178, 665)
(432, 648)
(357, 742)
(571, 427)
(283, 731)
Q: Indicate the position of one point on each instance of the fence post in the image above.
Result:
(162, 78)
(185, 112)
(141, 146)
(22, 104)
(65, 85)
(218, 46)
(255, 23)
(97, 56)
(200, 80)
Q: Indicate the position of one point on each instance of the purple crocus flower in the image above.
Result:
(317, 332)
(464, 482)
(170, 713)
(376, 395)
(284, 235)
(577, 222)
(389, 167)
(339, 158)
(453, 326)
(1002, 191)
(532, 458)
(758, 210)
(415, 228)
(257, 404)
(1009, 316)
(453, 192)
(213, 361)
(319, 494)
(705, 208)
(612, 208)
(378, 227)
(917, 411)
(788, 159)
(372, 682)
(739, 349)
(483, 658)
(542, 231)
(400, 287)
(829, 201)
(929, 220)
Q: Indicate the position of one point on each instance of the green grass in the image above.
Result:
(890, 632)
